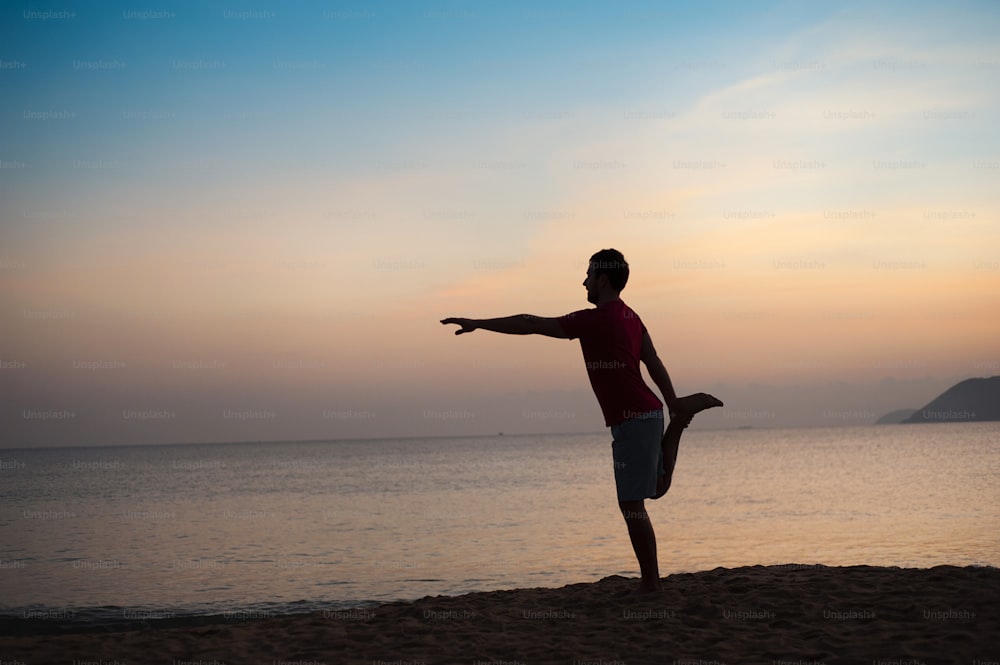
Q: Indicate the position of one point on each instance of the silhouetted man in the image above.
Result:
(614, 341)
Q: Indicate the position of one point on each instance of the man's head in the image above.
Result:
(606, 275)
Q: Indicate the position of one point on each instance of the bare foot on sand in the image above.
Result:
(682, 411)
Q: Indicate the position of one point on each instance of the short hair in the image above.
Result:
(610, 262)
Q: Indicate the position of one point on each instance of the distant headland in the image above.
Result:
(971, 400)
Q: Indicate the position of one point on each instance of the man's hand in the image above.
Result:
(467, 325)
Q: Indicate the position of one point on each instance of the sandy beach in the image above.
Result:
(776, 614)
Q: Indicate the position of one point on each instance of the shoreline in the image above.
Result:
(790, 613)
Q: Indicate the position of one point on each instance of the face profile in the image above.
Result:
(590, 283)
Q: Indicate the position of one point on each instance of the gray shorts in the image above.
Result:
(638, 455)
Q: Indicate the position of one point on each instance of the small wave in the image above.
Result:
(40, 620)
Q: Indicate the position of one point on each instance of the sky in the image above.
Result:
(244, 221)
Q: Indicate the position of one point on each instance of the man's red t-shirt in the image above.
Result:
(611, 340)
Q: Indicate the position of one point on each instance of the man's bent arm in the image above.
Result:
(519, 324)
(657, 372)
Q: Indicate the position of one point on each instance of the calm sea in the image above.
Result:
(255, 529)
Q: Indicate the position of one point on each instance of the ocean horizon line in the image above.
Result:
(425, 437)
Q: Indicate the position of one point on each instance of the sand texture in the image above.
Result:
(776, 614)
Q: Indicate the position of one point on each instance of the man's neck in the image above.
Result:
(605, 298)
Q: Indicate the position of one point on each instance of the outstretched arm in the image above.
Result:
(519, 324)
(657, 372)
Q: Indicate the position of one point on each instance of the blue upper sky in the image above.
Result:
(169, 172)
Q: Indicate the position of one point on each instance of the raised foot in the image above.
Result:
(689, 405)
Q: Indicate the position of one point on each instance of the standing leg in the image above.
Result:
(640, 532)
